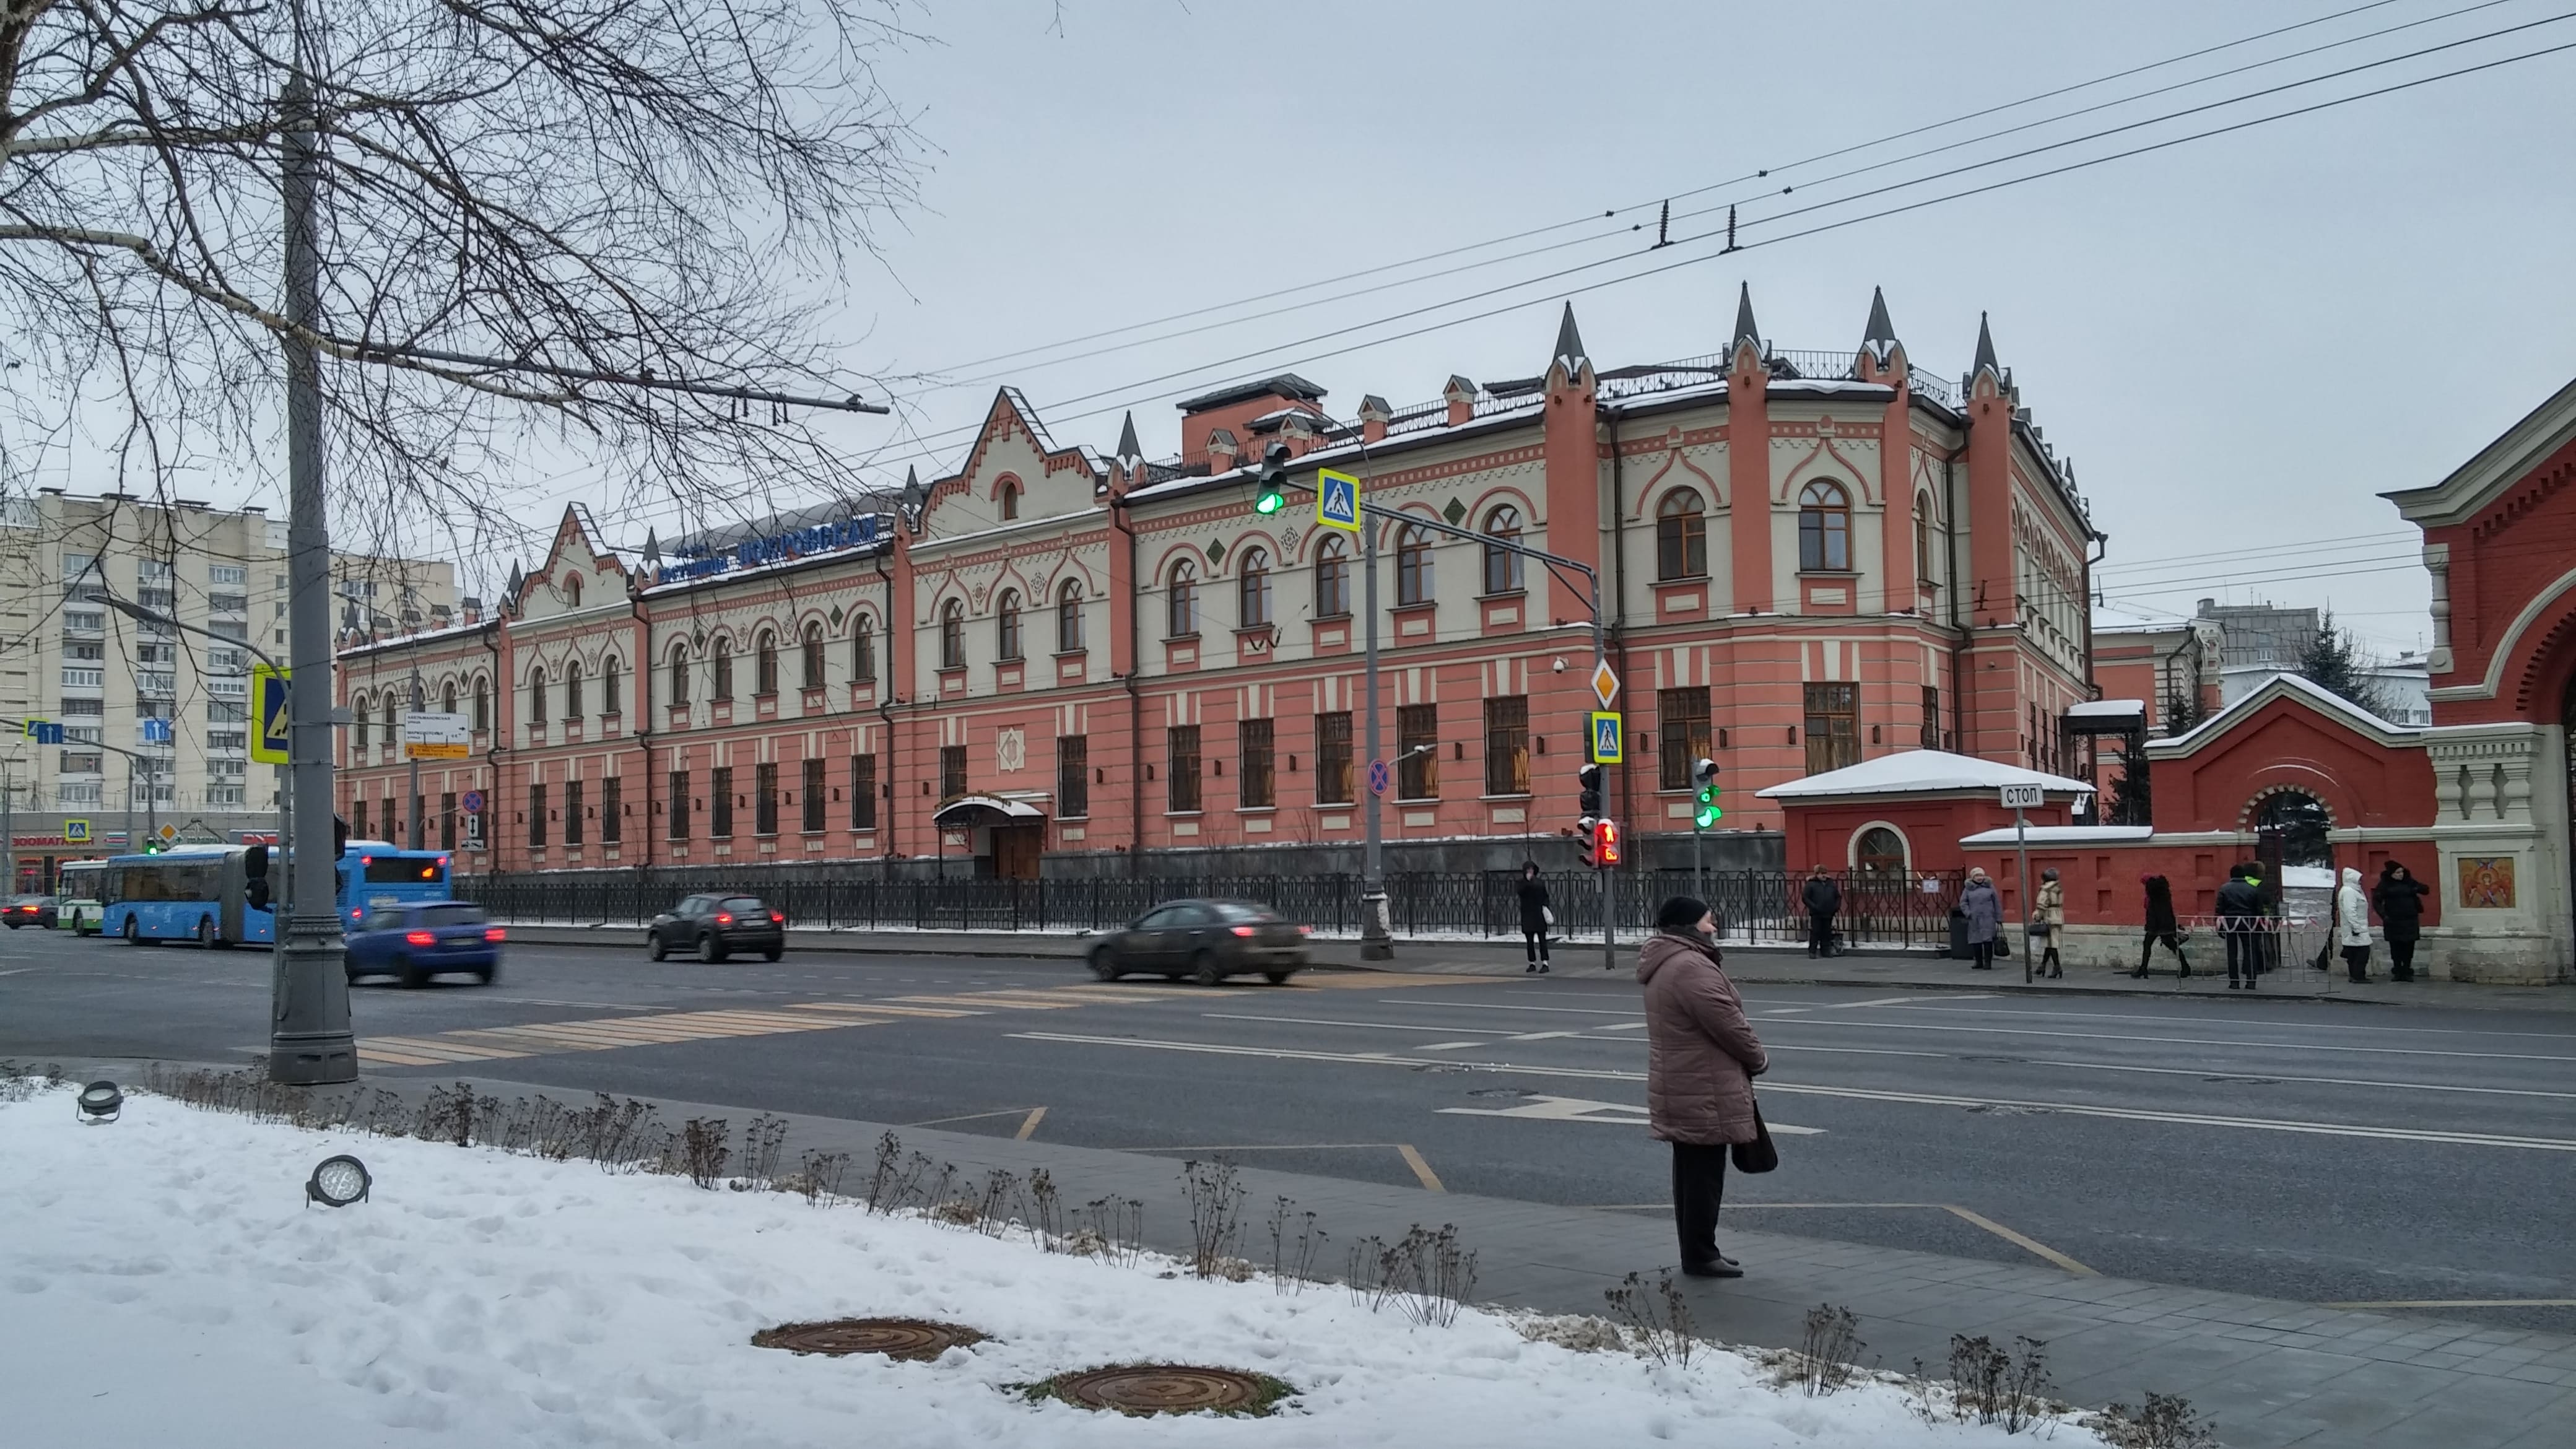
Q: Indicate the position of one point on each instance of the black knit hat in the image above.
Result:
(1681, 913)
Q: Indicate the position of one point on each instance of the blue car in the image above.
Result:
(417, 940)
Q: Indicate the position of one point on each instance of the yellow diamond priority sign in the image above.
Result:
(1605, 683)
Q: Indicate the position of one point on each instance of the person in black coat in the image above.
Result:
(1533, 897)
(2399, 899)
(1822, 898)
(2240, 919)
(2161, 926)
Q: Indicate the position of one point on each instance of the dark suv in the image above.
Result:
(716, 926)
(1204, 941)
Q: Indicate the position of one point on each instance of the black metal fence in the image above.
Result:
(1752, 906)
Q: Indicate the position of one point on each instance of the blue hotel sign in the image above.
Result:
(697, 561)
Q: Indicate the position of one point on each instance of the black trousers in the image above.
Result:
(1985, 954)
(2173, 943)
(2245, 951)
(2356, 961)
(2401, 959)
(1699, 1181)
(1820, 932)
(1535, 942)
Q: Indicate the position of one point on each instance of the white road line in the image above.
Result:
(1322, 1021)
(1881, 1001)
(1623, 1026)
(2285, 1046)
(1542, 1035)
(1920, 1099)
(2266, 1024)
(1447, 1046)
(1498, 1006)
(2313, 1081)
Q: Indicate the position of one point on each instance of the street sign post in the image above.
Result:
(269, 713)
(2017, 799)
(1379, 777)
(1337, 500)
(1607, 739)
(437, 735)
(473, 802)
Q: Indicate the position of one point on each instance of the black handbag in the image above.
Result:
(1757, 1155)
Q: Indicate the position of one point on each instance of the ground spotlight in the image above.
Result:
(100, 1101)
(338, 1182)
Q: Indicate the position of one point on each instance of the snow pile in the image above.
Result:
(166, 1283)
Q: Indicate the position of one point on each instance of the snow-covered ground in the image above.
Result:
(162, 1282)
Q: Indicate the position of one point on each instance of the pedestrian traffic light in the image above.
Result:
(1274, 480)
(1601, 847)
(1704, 776)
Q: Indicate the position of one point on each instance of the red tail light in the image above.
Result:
(776, 919)
(419, 938)
(724, 918)
(1305, 930)
(1244, 931)
(493, 934)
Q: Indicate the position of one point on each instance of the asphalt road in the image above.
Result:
(2305, 1151)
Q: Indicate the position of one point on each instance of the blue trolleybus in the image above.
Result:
(205, 893)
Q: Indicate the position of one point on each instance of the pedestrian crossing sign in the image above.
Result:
(270, 711)
(1337, 500)
(1607, 739)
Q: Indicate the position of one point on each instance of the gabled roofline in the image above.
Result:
(2476, 484)
(2285, 686)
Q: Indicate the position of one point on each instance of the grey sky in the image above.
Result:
(2240, 340)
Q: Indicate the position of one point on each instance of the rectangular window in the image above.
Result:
(1681, 729)
(1417, 739)
(952, 771)
(863, 792)
(447, 821)
(227, 574)
(1507, 746)
(536, 817)
(814, 791)
(720, 803)
(1931, 716)
(1833, 727)
(1253, 740)
(1072, 777)
(679, 806)
(573, 791)
(1333, 758)
(1181, 790)
(764, 805)
(612, 811)
(358, 819)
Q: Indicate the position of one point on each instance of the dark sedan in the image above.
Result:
(417, 940)
(716, 926)
(1204, 941)
(29, 911)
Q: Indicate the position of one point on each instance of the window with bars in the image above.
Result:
(764, 799)
(1333, 758)
(815, 790)
(536, 817)
(1507, 746)
(720, 803)
(1833, 727)
(679, 808)
(1256, 783)
(863, 792)
(1681, 735)
(1931, 716)
(1072, 777)
(952, 771)
(358, 820)
(1417, 736)
(1181, 789)
(612, 811)
(572, 812)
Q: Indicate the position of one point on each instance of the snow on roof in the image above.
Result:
(1913, 772)
(2113, 621)
(2324, 700)
(2106, 708)
(2061, 835)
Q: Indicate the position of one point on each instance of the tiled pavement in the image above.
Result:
(2272, 1373)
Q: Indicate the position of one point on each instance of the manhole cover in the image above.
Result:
(914, 1340)
(1169, 1389)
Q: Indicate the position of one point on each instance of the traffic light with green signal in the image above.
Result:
(1704, 777)
(1273, 494)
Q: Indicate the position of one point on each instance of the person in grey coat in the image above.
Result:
(1701, 1059)
(1985, 912)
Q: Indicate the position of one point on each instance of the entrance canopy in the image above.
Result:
(972, 810)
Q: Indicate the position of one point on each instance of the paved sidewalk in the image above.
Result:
(2273, 1373)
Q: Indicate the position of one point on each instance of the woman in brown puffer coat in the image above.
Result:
(1701, 1059)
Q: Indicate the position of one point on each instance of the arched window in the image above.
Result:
(572, 690)
(724, 671)
(764, 664)
(1068, 617)
(1824, 529)
(1923, 570)
(1252, 591)
(1681, 537)
(863, 650)
(1006, 625)
(1182, 607)
(392, 705)
(572, 590)
(2303, 822)
(1502, 566)
(1008, 501)
(679, 674)
(1332, 578)
(952, 635)
(482, 703)
(1881, 851)
(612, 694)
(358, 721)
(1412, 566)
(813, 655)
(536, 696)
(447, 697)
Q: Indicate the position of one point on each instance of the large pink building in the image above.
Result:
(1807, 559)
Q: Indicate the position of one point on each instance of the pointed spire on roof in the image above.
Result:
(518, 581)
(1879, 331)
(1127, 445)
(652, 548)
(1745, 330)
(1569, 344)
(1985, 349)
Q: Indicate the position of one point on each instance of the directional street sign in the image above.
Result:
(1337, 500)
(269, 711)
(1607, 739)
(473, 802)
(1605, 683)
(45, 731)
(1379, 777)
(156, 732)
(435, 735)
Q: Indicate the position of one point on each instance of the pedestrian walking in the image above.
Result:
(1536, 917)
(2399, 898)
(2240, 910)
(2161, 926)
(2352, 925)
(2048, 925)
(1701, 1059)
(1985, 912)
(1823, 898)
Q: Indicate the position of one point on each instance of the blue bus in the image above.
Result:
(204, 893)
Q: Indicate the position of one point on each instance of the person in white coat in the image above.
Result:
(2352, 925)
